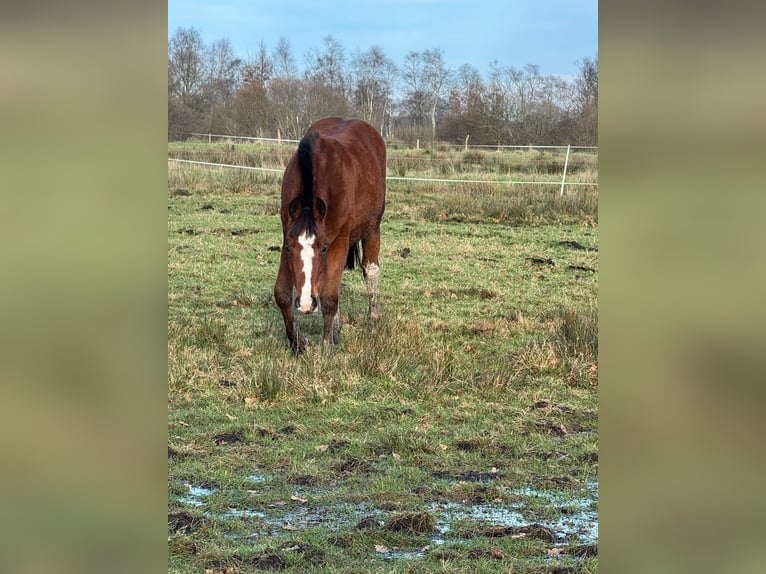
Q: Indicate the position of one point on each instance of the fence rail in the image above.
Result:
(210, 137)
(562, 184)
(560, 181)
(225, 137)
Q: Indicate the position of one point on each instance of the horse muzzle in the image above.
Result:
(307, 307)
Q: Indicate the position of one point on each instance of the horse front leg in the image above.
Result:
(283, 295)
(332, 324)
(330, 292)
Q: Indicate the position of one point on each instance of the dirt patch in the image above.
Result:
(310, 553)
(266, 433)
(411, 523)
(550, 406)
(548, 454)
(337, 444)
(480, 494)
(560, 429)
(306, 480)
(470, 445)
(245, 231)
(368, 523)
(235, 232)
(552, 481)
(576, 245)
(176, 454)
(353, 464)
(581, 268)
(583, 550)
(183, 522)
(590, 457)
(229, 437)
(540, 260)
(265, 561)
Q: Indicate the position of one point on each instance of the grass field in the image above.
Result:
(458, 434)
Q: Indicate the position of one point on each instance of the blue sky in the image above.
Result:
(553, 34)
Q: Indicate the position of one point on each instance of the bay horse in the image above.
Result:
(333, 198)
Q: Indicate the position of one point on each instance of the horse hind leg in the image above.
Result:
(371, 275)
(371, 271)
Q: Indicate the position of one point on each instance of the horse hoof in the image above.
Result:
(299, 347)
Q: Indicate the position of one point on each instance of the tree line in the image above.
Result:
(212, 90)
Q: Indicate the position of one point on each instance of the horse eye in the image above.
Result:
(324, 249)
(287, 248)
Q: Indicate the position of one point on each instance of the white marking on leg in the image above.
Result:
(306, 241)
(371, 274)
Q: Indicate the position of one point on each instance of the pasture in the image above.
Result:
(457, 434)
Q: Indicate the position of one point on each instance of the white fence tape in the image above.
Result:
(226, 165)
(504, 182)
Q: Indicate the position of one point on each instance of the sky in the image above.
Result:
(553, 34)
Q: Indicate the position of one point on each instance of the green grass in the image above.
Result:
(477, 390)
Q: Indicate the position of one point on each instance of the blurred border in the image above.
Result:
(83, 289)
(681, 315)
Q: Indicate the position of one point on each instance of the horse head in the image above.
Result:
(306, 248)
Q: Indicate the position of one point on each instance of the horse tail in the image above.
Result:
(305, 147)
(354, 256)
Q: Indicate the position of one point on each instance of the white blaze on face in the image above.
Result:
(306, 241)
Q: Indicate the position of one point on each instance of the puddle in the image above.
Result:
(331, 517)
(574, 518)
(243, 513)
(197, 495)
(581, 525)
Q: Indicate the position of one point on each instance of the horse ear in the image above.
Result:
(295, 208)
(320, 209)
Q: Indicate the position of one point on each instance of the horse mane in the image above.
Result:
(304, 220)
(306, 163)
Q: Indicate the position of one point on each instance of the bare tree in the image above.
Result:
(186, 66)
(373, 75)
(223, 77)
(286, 92)
(327, 66)
(284, 62)
(186, 81)
(253, 111)
(210, 88)
(258, 69)
(586, 101)
(534, 105)
(426, 78)
(466, 113)
(325, 81)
